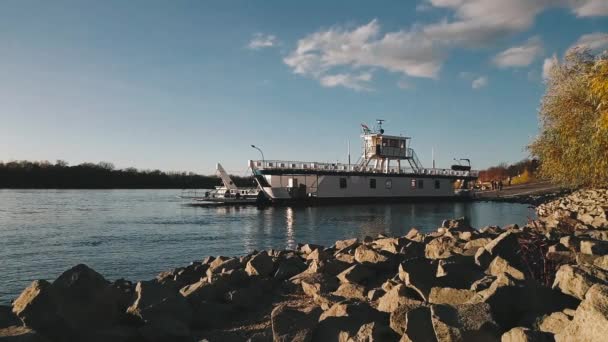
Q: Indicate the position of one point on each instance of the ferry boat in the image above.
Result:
(227, 194)
(388, 170)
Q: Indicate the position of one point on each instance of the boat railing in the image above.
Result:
(349, 168)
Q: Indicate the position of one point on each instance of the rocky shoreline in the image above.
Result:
(545, 281)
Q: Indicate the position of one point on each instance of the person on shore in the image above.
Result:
(500, 185)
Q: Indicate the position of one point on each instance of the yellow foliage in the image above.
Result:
(573, 144)
(525, 177)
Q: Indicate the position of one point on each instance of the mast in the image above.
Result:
(228, 183)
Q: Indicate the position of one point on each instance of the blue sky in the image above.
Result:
(181, 85)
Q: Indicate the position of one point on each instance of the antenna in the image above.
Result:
(433, 156)
(348, 143)
(380, 122)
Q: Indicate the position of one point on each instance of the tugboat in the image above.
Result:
(227, 194)
(388, 170)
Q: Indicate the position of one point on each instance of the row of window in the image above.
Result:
(388, 184)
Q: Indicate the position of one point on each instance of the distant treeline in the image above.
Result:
(103, 175)
(503, 170)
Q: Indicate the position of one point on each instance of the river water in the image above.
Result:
(136, 234)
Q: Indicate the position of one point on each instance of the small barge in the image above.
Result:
(227, 194)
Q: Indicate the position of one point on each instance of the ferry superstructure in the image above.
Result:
(387, 170)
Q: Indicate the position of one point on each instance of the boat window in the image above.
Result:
(342, 183)
(372, 183)
(402, 144)
(420, 184)
(413, 184)
(388, 184)
(437, 184)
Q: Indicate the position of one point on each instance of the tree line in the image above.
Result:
(103, 175)
(523, 169)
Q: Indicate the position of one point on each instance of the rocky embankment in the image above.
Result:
(545, 281)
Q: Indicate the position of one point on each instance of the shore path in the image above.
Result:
(530, 189)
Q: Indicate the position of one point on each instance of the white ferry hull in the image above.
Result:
(370, 188)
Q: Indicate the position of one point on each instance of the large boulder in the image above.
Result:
(464, 322)
(344, 244)
(397, 296)
(291, 324)
(506, 246)
(36, 308)
(17, 333)
(289, 267)
(500, 265)
(441, 247)
(348, 290)
(522, 334)
(594, 247)
(419, 274)
(346, 317)
(223, 264)
(370, 257)
(590, 322)
(410, 318)
(357, 273)
(156, 302)
(368, 332)
(86, 300)
(554, 323)
(260, 264)
(447, 295)
(577, 280)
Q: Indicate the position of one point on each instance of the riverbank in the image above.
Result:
(534, 193)
(541, 280)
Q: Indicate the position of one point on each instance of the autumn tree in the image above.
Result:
(573, 143)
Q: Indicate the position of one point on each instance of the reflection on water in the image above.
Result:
(138, 233)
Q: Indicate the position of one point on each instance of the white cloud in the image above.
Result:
(421, 50)
(483, 22)
(260, 41)
(593, 41)
(589, 8)
(403, 84)
(479, 82)
(356, 82)
(407, 53)
(548, 65)
(520, 56)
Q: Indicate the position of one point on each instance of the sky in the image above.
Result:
(180, 85)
